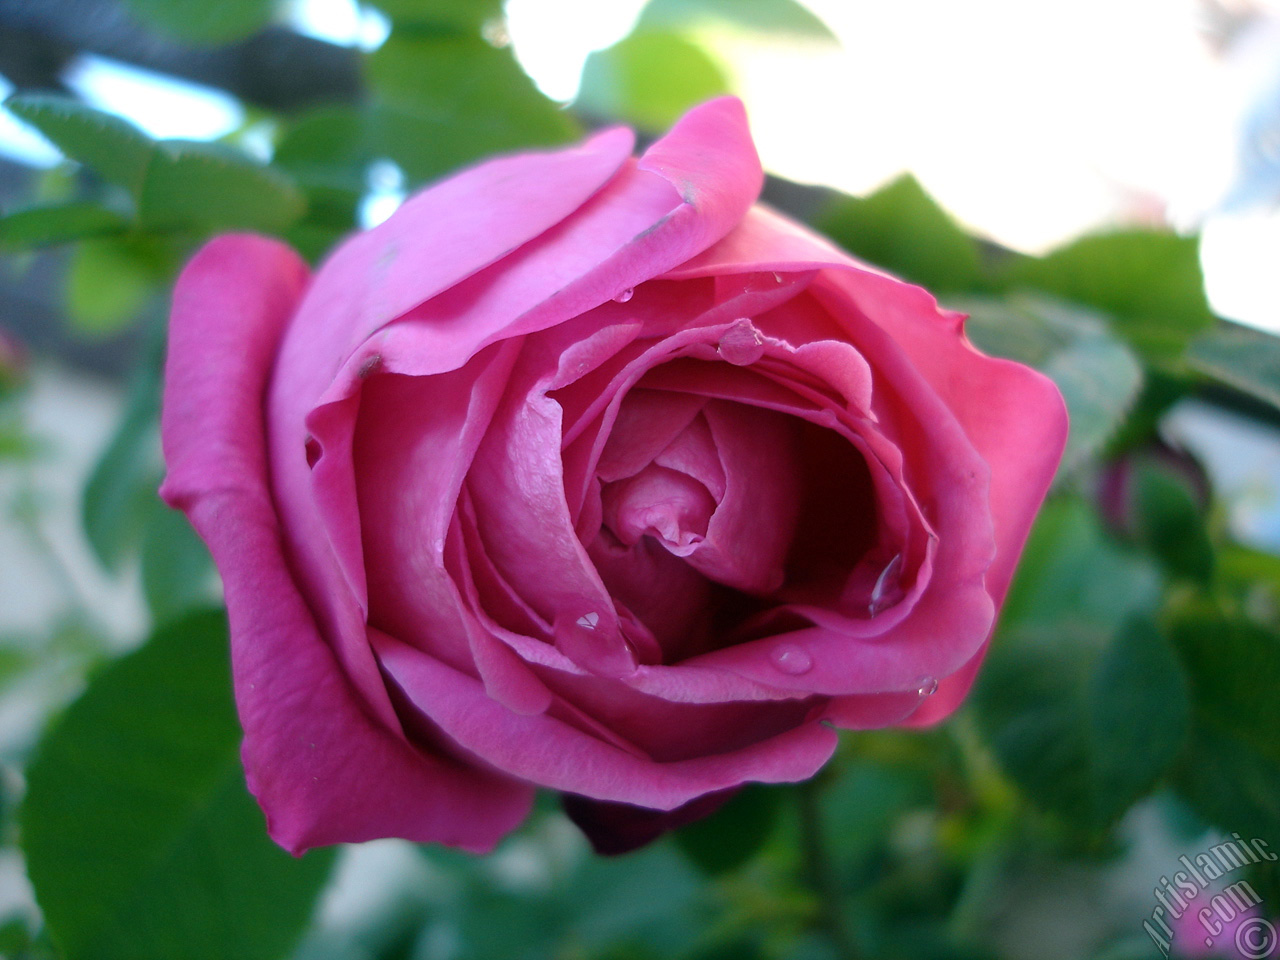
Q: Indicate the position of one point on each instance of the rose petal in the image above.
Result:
(553, 753)
(311, 750)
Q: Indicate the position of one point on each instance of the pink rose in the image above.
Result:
(585, 472)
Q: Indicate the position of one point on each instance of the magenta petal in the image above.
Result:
(749, 534)
(311, 750)
(666, 504)
(647, 422)
(555, 754)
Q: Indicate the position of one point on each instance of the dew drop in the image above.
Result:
(588, 621)
(791, 659)
(886, 584)
(625, 295)
(926, 686)
(741, 344)
(777, 278)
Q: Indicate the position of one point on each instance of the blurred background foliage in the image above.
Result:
(1128, 712)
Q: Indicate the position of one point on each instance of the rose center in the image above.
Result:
(670, 506)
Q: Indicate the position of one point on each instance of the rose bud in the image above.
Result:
(585, 472)
(1117, 497)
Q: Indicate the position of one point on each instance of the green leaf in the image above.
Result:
(107, 286)
(1148, 281)
(1071, 571)
(117, 495)
(1082, 698)
(466, 15)
(113, 148)
(1099, 376)
(177, 572)
(1241, 357)
(328, 151)
(445, 101)
(1231, 772)
(1085, 728)
(733, 834)
(176, 183)
(649, 79)
(199, 21)
(43, 226)
(765, 16)
(328, 146)
(1171, 523)
(860, 805)
(140, 838)
(212, 187)
(901, 228)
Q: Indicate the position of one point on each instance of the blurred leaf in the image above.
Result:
(210, 186)
(469, 15)
(1070, 571)
(861, 803)
(1148, 281)
(1171, 523)
(640, 905)
(113, 148)
(42, 226)
(1241, 357)
(177, 571)
(650, 79)
(1085, 729)
(1160, 391)
(1254, 577)
(733, 834)
(1099, 376)
(901, 228)
(176, 183)
(328, 146)
(107, 287)
(765, 16)
(200, 21)
(328, 151)
(446, 101)
(116, 495)
(647, 898)
(140, 837)
(1081, 697)
(1231, 772)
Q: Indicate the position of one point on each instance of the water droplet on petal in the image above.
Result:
(791, 659)
(886, 585)
(777, 278)
(741, 344)
(625, 295)
(926, 686)
(588, 621)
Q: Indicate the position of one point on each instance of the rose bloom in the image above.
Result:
(587, 472)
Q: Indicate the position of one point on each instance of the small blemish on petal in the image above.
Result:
(370, 364)
(312, 447)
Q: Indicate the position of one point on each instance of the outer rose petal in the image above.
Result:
(323, 771)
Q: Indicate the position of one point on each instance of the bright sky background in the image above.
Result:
(1031, 122)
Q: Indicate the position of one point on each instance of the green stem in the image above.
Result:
(821, 875)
